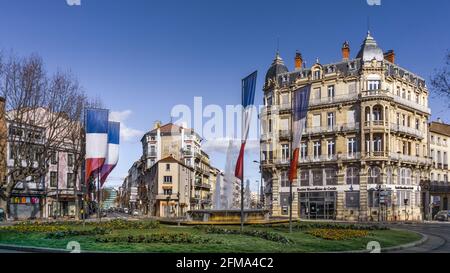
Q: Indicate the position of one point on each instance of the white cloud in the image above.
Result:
(126, 134)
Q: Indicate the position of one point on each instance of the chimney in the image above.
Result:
(157, 124)
(390, 56)
(298, 61)
(346, 51)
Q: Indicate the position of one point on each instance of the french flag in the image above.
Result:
(113, 150)
(248, 99)
(300, 110)
(96, 140)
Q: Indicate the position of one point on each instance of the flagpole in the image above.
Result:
(99, 215)
(242, 192)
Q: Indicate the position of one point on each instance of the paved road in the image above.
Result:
(438, 237)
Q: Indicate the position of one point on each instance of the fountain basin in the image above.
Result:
(228, 216)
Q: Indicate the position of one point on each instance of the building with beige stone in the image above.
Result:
(184, 145)
(439, 187)
(364, 150)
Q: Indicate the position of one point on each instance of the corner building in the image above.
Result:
(364, 150)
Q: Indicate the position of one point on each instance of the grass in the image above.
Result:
(223, 243)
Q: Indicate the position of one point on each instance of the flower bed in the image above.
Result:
(337, 234)
(267, 235)
(307, 226)
(34, 228)
(168, 238)
(71, 233)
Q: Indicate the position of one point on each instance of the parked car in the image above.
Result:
(135, 212)
(443, 215)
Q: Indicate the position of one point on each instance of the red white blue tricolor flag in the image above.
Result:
(96, 140)
(113, 150)
(300, 109)
(248, 100)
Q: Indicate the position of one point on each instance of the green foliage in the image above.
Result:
(168, 238)
(337, 234)
(306, 226)
(267, 235)
(71, 233)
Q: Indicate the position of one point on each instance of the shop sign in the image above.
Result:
(308, 189)
(25, 200)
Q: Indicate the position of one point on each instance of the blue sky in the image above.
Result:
(143, 57)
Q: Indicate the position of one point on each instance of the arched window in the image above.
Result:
(352, 176)
(377, 113)
(405, 176)
(375, 175)
(389, 179)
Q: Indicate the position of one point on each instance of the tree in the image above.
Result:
(45, 115)
(441, 81)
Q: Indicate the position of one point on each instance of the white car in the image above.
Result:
(135, 213)
(125, 210)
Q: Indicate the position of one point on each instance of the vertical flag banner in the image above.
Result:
(248, 100)
(300, 109)
(96, 140)
(113, 150)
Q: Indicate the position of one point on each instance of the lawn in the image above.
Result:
(202, 239)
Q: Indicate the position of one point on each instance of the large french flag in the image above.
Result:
(96, 140)
(113, 150)
(300, 110)
(248, 100)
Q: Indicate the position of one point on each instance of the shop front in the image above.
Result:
(320, 203)
(26, 207)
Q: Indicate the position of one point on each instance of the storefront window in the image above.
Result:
(374, 175)
(304, 178)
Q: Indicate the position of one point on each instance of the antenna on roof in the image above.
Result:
(368, 23)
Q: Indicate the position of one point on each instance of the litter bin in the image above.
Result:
(2, 215)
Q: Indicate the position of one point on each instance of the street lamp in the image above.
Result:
(261, 195)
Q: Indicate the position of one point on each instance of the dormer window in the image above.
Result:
(317, 75)
(373, 85)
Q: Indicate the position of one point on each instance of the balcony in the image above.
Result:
(202, 185)
(331, 100)
(285, 134)
(188, 153)
(282, 162)
(411, 159)
(375, 123)
(379, 93)
(316, 159)
(152, 154)
(322, 130)
(376, 155)
(406, 130)
(412, 104)
(351, 156)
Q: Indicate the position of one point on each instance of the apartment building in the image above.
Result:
(168, 182)
(57, 193)
(364, 150)
(183, 144)
(439, 187)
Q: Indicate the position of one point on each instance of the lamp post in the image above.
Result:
(168, 209)
(260, 197)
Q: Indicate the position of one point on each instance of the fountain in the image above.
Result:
(225, 209)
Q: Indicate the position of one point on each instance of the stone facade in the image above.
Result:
(364, 150)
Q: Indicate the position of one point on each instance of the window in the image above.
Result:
(304, 178)
(167, 167)
(377, 113)
(317, 177)
(417, 124)
(317, 74)
(70, 160)
(405, 176)
(373, 199)
(270, 126)
(317, 149)
(351, 117)
(331, 148)
(269, 101)
(352, 199)
(317, 94)
(168, 179)
(352, 176)
(54, 158)
(331, 177)
(378, 144)
(304, 150)
(285, 152)
(167, 191)
(284, 99)
(330, 120)
(70, 180)
(389, 176)
(331, 91)
(374, 175)
(284, 179)
(417, 150)
(53, 179)
(351, 147)
(373, 85)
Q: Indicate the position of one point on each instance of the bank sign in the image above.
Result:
(329, 188)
